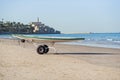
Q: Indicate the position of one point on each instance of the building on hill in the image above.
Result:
(36, 25)
(39, 27)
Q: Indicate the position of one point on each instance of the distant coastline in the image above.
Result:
(20, 28)
(93, 33)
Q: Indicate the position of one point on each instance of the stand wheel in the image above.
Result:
(42, 49)
(46, 48)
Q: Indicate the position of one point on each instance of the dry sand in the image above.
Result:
(21, 62)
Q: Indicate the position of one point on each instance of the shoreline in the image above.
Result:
(58, 46)
(90, 45)
(106, 40)
(72, 44)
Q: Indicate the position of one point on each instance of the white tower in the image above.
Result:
(38, 19)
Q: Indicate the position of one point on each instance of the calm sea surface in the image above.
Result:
(109, 40)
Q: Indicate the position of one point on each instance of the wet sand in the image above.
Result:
(21, 62)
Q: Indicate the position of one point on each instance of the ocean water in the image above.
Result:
(108, 40)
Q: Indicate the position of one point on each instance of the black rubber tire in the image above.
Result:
(46, 48)
(41, 49)
(23, 40)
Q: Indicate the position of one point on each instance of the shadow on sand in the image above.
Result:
(87, 53)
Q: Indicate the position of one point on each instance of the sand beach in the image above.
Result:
(71, 62)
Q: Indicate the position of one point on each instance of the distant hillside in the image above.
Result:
(20, 28)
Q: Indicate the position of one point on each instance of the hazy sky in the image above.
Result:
(67, 16)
